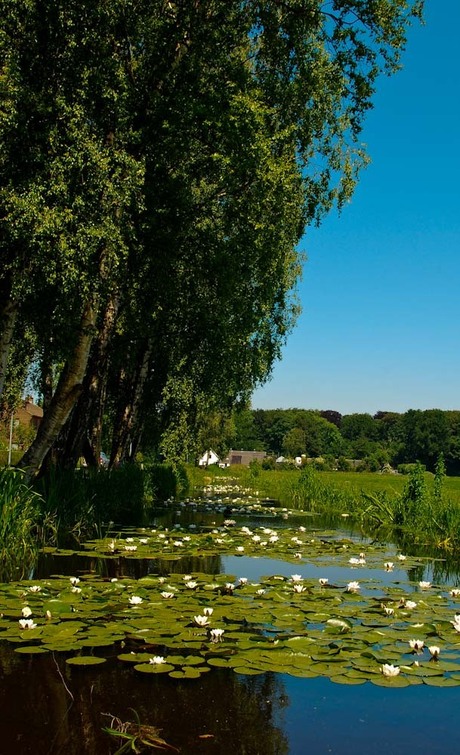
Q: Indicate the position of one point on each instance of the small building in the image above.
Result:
(244, 458)
(208, 458)
(28, 414)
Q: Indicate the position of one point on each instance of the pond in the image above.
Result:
(233, 626)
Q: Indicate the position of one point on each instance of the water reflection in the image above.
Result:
(220, 713)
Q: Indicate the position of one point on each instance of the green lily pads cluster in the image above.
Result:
(387, 631)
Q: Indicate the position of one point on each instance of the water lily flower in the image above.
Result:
(74, 580)
(130, 540)
(201, 621)
(424, 585)
(302, 529)
(130, 547)
(243, 580)
(455, 593)
(388, 611)
(114, 579)
(353, 586)
(27, 624)
(355, 561)
(296, 577)
(389, 670)
(216, 635)
(229, 522)
(260, 592)
(240, 549)
(167, 595)
(297, 555)
(208, 611)
(417, 645)
(156, 659)
(135, 600)
(323, 581)
(143, 540)
(434, 651)
(389, 565)
(178, 543)
(229, 586)
(191, 584)
(111, 545)
(35, 588)
(187, 577)
(401, 557)
(298, 587)
(75, 589)
(410, 604)
(273, 539)
(456, 622)
(26, 612)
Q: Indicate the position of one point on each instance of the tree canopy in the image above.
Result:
(159, 162)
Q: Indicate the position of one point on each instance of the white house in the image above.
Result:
(208, 458)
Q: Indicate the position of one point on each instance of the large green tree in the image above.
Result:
(159, 162)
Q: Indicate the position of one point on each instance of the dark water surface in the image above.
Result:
(49, 708)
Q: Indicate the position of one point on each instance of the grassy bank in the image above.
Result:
(421, 504)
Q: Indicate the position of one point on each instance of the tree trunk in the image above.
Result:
(77, 436)
(127, 420)
(67, 392)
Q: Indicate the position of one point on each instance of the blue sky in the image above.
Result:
(380, 327)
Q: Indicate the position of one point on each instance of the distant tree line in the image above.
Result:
(383, 438)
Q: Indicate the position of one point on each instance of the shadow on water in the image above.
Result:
(49, 709)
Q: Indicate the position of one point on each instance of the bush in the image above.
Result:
(409, 468)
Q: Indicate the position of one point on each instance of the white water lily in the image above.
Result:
(356, 561)
(208, 611)
(131, 548)
(424, 585)
(256, 538)
(35, 588)
(167, 595)
(178, 543)
(187, 577)
(143, 540)
(26, 612)
(191, 584)
(201, 621)
(75, 589)
(130, 540)
(410, 604)
(323, 581)
(389, 670)
(401, 557)
(74, 580)
(216, 635)
(353, 586)
(388, 611)
(273, 539)
(434, 651)
(156, 660)
(297, 555)
(240, 549)
(389, 565)
(243, 580)
(27, 624)
(456, 622)
(296, 577)
(229, 586)
(260, 592)
(297, 587)
(455, 593)
(417, 645)
(135, 600)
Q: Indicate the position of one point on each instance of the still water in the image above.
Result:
(49, 708)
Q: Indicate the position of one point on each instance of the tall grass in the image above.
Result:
(20, 516)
